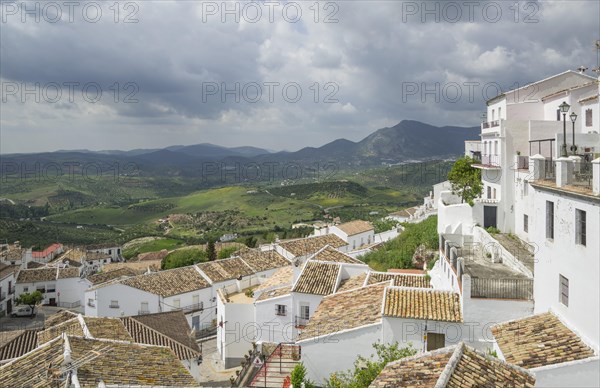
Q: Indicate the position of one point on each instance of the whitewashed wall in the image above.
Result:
(275, 328)
(584, 373)
(129, 300)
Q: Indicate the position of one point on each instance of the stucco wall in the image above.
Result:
(577, 374)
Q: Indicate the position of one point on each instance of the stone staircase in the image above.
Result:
(277, 367)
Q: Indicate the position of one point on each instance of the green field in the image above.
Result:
(92, 211)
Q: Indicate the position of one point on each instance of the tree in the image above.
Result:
(366, 369)
(30, 299)
(211, 251)
(465, 180)
(298, 376)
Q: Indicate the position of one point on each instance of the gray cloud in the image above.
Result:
(176, 51)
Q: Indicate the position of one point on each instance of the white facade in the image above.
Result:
(356, 240)
(119, 300)
(563, 256)
(7, 293)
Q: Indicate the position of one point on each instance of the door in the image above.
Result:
(489, 216)
(8, 307)
(196, 322)
(435, 341)
(52, 302)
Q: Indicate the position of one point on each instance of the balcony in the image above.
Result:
(113, 306)
(91, 304)
(300, 322)
(489, 162)
(143, 312)
(490, 124)
(192, 308)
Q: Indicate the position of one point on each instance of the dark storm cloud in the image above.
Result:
(353, 73)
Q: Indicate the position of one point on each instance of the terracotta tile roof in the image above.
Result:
(281, 277)
(115, 363)
(7, 270)
(277, 292)
(168, 329)
(129, 364)
(310, 245)
(36, 275)
(138, 266)
(399, 280)
(168, 283)
(317, 278)
(405, 212)
(64, 273)
(60, 317)
(422, 370)
(34, 264)
(51, 249)
(262, 260)
(31, 369)
(346, 310)
(355, 227)
(71, 327)
(107, 328)
(110, 275)
(352, 283)
(333, 255)
(15, 343)
(226, 269)
(539, 340)
(422, 304)
(14, 254)
(453, 367)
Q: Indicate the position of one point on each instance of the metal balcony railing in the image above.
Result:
(490, 124)
(490, 160)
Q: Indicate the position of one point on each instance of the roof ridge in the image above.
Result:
(397, 273)
(450, 366)
(31, 351)
(356, 289)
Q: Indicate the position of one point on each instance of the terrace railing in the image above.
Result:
(549, 169)
(584, 176)
(502, 288)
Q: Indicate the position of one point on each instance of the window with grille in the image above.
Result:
(280, 309)
(580, 227)
(564, 290)
(525, 223)
(588, 117)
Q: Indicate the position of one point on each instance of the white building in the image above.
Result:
(354, 233)
(60, 286)
(176, 289)
(7, 288)
(546, 208)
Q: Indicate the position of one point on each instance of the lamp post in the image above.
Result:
(573, 117)
(564, 108)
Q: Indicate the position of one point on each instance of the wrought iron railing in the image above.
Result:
(584, 176)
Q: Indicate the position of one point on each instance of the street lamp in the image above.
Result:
(564, 108)
(573, 117)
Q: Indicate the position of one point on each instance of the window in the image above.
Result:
(51, 288)
(435, 341)
(114, 304)
(196, 300)
(110, 251)
(564, 290)
(526, 188)
(525, 223)
(91, 303)
(144, 307)
(304, 312)
(489, 192)
(25, 289)
(280, 309)
(176, 303)
(499, 113)
(580, 227)
(493, 115)
(550, 220)
(588, 117)
(558, 115)
(494, 194)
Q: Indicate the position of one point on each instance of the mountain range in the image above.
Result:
(407, 141)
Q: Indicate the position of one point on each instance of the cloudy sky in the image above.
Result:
(279, 75)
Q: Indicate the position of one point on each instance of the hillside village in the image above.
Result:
(511, 297)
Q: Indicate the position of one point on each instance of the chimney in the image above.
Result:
(582, 69)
